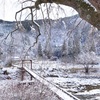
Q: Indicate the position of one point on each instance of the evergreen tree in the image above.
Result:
(64, 49)
(48, 50)
(40, 50)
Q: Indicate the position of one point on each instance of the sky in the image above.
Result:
(8, 8)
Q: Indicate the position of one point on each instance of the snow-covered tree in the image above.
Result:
(40, 50)
(88, 10)
(64, 49)
(87, 59)
(48, 50)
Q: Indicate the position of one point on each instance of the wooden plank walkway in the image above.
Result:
(60, 92)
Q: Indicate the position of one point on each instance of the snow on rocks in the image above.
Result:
(9, 73)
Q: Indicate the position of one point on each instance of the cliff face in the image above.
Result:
(78, 35)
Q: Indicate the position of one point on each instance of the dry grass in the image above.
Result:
(26, 91)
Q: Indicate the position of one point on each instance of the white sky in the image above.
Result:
(9, 7)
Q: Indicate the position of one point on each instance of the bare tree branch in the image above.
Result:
(10, 33)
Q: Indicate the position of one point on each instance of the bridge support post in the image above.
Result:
(23, 71)
(22, 74)
(31, 69)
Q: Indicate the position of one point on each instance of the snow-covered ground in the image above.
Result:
(15, 90)
(9, 73)
(71, 78)
(12, 88)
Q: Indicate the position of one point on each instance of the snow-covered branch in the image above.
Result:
(88, 10)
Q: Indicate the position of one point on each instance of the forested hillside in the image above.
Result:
(66, 36)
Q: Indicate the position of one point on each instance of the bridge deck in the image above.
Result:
(61, 93)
